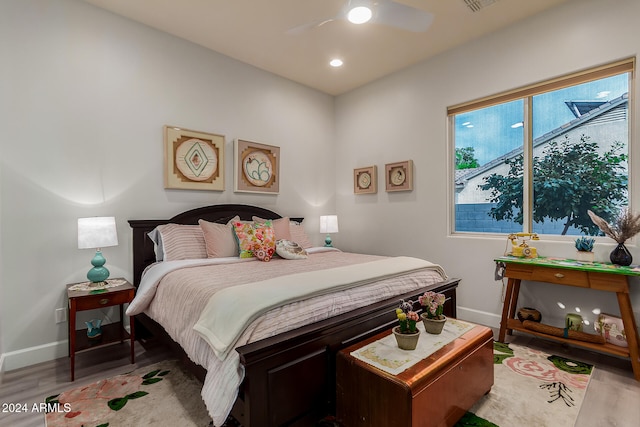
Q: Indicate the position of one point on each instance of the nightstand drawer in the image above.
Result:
(103, 300)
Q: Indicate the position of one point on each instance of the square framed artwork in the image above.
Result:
(257, 167)
(365, 180)
(399, 176)
(193, 160)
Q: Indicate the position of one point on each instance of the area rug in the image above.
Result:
(531, 388)
(163, 394)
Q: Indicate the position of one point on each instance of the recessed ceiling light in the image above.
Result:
(359, 15)
(336, 62)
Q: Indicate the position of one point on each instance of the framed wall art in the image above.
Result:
(399, 176)
(365, 180)
(193, 160)
(257, 167)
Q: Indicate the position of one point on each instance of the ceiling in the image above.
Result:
(258, 32)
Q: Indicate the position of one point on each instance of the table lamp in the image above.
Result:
(96, 233)
(328, 224)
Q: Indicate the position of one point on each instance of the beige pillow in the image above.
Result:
(280, 227)
(219, 239)
(299, 236)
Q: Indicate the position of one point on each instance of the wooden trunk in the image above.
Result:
(435, 392)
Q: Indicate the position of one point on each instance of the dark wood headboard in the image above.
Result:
(143, 252)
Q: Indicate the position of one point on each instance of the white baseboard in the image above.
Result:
(480, 317)
(33, 355)
(38, 354)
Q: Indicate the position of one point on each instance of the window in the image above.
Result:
(537, 158)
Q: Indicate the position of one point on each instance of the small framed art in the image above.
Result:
(365, 180)
(257, 167)
(399, 176)
(193, 160)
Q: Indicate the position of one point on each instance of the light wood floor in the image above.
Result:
(612, 400)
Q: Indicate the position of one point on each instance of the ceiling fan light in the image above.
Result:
(359, 15)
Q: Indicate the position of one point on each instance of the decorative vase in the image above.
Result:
(528, 313)
(621, 255)
(406, 341)
(584, 256)
(433, 326)
(94, 331)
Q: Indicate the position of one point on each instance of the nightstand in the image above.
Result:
(80, 300)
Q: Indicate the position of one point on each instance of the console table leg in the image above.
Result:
(631, 329)
(510, 297)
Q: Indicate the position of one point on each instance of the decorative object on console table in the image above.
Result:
(432, 316)
(529, 313)
(612, 329)
(80, 300)
(584, 245)
(573, 322)
(399, 176)
(193, 160)
(257, 167)
(406, 333)
(97, 233)
(365, 180)
(627, 225)
(328, 225)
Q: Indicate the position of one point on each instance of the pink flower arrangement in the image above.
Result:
(433, 304)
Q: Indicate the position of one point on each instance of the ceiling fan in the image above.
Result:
(383, 12)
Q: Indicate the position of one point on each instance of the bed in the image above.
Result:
(284, 372)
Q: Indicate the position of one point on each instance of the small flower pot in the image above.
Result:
(584, 256)
(406, 341)
(433, 326)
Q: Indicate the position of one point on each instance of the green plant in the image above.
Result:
(569, 178)
(585, 244)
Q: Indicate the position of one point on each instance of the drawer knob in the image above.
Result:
(559, 275)
(103, 301)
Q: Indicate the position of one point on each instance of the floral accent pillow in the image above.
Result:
(255, 240)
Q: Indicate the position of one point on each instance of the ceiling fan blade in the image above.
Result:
(403, 17)
(311, 25)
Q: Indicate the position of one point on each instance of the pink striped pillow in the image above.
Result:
(179, 241)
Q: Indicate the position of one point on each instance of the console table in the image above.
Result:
(560, 271)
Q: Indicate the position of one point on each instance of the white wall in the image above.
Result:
(403, 116)
(84, 95)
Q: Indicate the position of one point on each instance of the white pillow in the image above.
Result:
(290, 250)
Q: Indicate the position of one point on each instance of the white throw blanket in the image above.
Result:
(230, 310)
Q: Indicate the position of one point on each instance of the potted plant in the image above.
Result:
(584, 245)
(626, 225)
(406, 332)
(433, 307)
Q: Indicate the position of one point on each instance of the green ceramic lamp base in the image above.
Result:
(98, 273)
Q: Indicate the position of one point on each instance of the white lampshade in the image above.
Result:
(97, 232)
(329, 224)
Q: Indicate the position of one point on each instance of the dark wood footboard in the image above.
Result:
(290, 378)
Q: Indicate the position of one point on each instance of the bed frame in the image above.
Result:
(289, 378)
